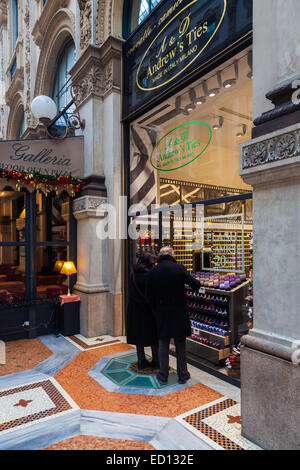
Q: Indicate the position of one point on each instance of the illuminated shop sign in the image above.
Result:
(179, 37)
(181, 146)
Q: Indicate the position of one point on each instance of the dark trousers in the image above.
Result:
(141, 353)
(163, 354)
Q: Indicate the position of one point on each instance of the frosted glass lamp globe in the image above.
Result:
(43, 107)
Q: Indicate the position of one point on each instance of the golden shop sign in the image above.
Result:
(179, 46)
(179, 37)
(45, 156)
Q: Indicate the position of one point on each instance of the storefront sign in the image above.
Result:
(181, 146)
(179, 37)
(177, 52)
(47, 157)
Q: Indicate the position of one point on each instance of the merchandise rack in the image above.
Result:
(234, 317)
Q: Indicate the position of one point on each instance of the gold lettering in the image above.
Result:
(184, 26)
(162, 48)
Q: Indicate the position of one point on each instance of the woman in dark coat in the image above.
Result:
(141, 326)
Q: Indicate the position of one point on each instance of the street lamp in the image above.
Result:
(44, 109)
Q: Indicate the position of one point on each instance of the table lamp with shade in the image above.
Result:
(58, 266)
(68, 269)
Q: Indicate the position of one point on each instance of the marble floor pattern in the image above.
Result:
(64, 401)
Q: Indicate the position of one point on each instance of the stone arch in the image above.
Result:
(15, 115)
(109, 19)
(60, 29)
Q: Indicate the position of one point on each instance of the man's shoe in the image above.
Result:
(161, 382)
(184, 380)
(144, 364)
(154, 365)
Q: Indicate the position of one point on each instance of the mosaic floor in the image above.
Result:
(87, 394)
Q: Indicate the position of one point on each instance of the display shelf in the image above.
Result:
(207, 352)
(223, 340)
(234, 317)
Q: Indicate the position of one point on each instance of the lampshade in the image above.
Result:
(58, 265)
(43, 107)
(68, 268)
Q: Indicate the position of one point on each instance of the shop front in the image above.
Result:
(187, 107)
(37, 231)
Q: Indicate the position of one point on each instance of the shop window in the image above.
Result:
(12, 246)
(186, 151)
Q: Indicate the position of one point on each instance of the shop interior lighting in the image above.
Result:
(178, 106)
(202, 99)
(191, 106)
(243, 132)
(250, 63)
(214, 91)
(219, 124)
(232, 81)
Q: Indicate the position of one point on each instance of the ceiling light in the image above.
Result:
(214, 91)
(243, 132)
(178, 106)
(229, 83)
(232, 81)
(219, 124)
(250, 63)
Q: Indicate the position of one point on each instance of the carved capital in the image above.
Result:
(98, 70)
(271, 158)
(89, 206)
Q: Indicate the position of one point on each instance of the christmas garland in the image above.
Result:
(36, 180)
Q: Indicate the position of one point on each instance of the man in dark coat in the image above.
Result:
(166, 294)
(141, 325)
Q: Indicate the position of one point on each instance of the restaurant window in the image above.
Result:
(40, 229)
(12, 246)
(53, 243)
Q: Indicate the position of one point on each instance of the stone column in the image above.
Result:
(92, 259)
(270, 355)
(98, 72)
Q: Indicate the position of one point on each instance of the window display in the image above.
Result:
(184, 179)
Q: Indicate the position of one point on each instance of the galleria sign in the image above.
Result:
(48, 157)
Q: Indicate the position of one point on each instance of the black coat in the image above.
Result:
(166, 293)
(141, 326)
